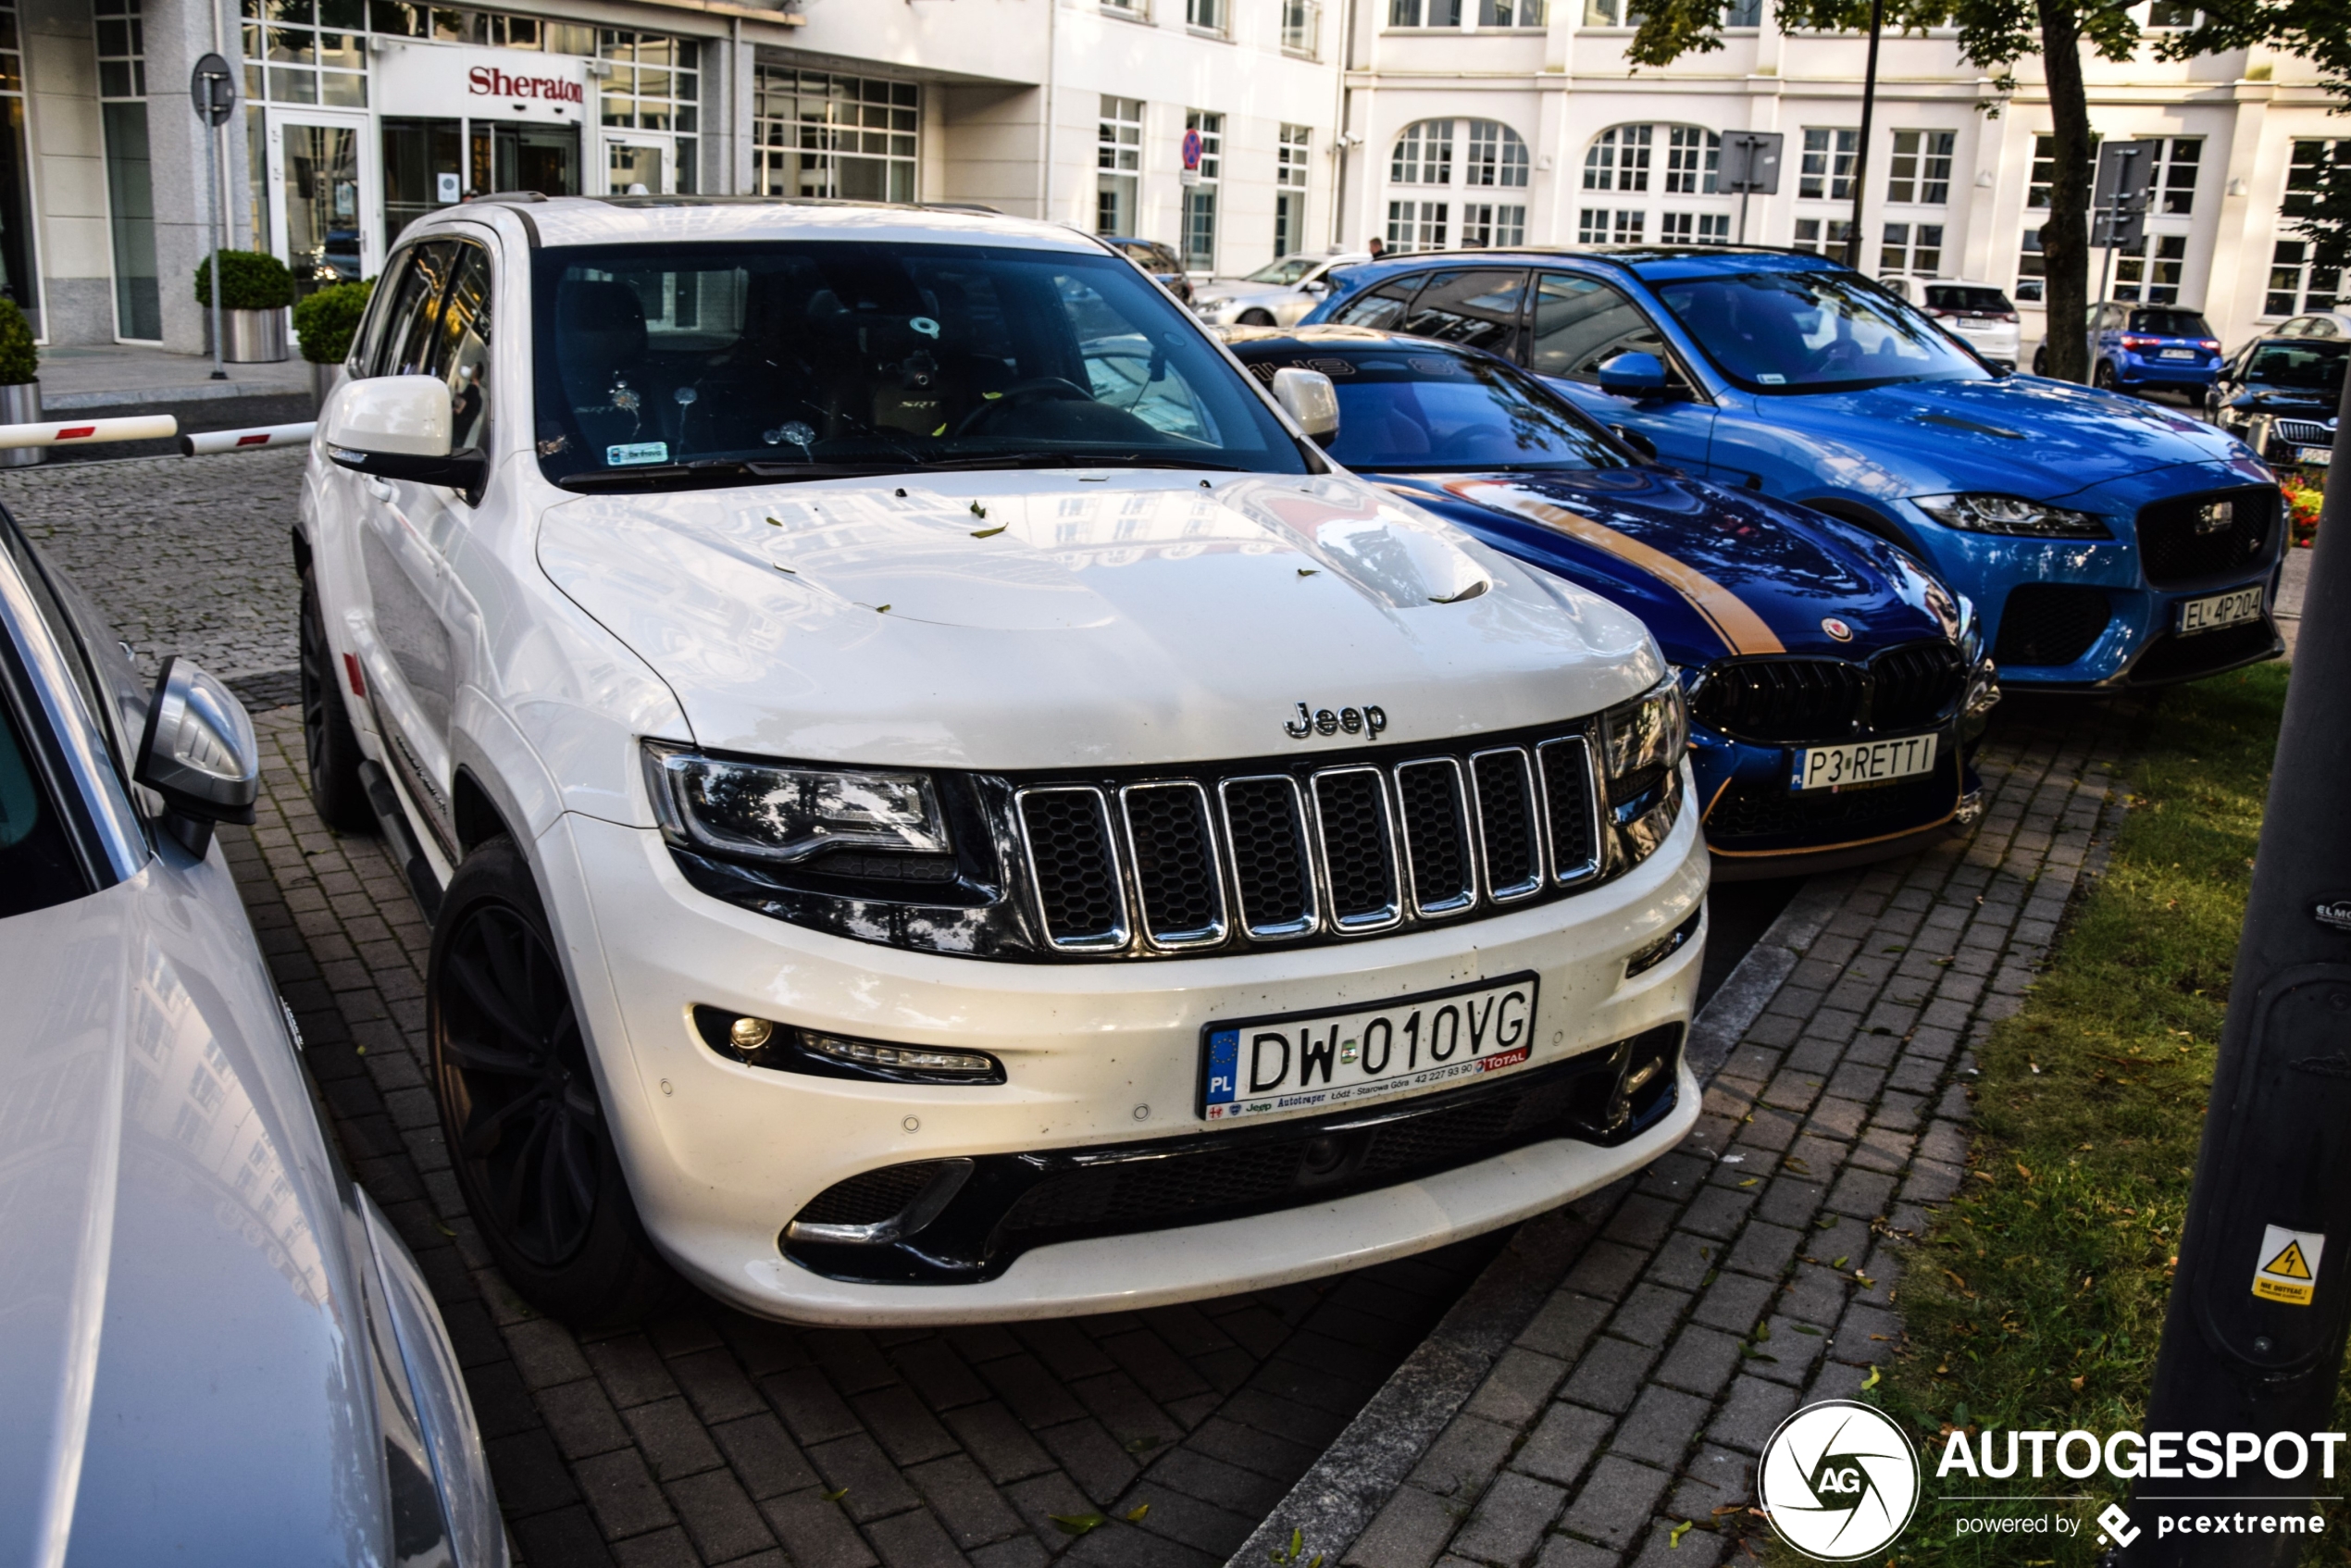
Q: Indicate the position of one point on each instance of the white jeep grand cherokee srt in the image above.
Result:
(939, 802)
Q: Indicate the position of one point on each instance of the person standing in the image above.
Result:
(1376, 247)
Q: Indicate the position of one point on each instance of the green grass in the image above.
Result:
(2038, 1300)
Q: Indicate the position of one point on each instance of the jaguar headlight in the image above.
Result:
(1642, 741)
(2011, 514)
(791, 814)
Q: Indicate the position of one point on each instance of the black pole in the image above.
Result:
(2252, 1344)
(1861, 153)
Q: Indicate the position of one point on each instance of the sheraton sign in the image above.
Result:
(460, 81)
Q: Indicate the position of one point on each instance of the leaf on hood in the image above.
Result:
(881, 609)
(785, 570)
(1309, 571)
(977, 510)
(989, 534)
(775, 522)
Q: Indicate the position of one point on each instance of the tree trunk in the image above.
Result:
(2065, 233)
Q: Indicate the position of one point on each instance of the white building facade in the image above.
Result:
(1957, 176)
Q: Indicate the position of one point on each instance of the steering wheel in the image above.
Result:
(1020, 394)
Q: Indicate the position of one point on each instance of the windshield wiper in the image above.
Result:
(1081, 460)
(720, 470)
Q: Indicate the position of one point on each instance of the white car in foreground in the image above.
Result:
(215, 1348)
(939, 803)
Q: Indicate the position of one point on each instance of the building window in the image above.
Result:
(1302, 28)
(1491, 226)
(1808, 235)
(1611, 13)
(2305, 175)
(2152, 279)
(1603, 225)
(1497, 155)
(1424, 155)
(306, 52)
(1200, 200)
(1920, 171)
(2172, 16)
(2295, 285)
(1290, 163)
(2032, 268)
(1743, 13)
(1510, 13)
(1416, 226)
(1913, 250)
(814, 134)
(131, 195)
(1827, 168)
(1204, 16)
(1118, 162)
(654, 85)
(1134, 10)
(1693, 158)
(1618, 160)
(2175, 177)
(2044, 169)
(1424, 13)
(1694, 229)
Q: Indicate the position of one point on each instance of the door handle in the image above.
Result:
(380, 489)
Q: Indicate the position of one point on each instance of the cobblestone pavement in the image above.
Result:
(712, 1437)
(186, 555)
(1756, 1267)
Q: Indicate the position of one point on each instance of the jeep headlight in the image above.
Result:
(1642, 741)
(2011, 514)
(783, 812)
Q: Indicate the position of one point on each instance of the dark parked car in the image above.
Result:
(2148, 348)
(1160, 261)
(2279, 395)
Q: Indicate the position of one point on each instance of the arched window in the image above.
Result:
(1670, 160)
(1493, 159)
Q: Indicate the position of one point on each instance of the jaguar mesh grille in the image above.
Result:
(2047, 624)
(1267, 833)
(1435, 834)
(1070, 857)
(1568, 802)
(2189, 539)
(1506, 823)
(1174, 859)
(1359, 858)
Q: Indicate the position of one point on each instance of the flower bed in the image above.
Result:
(2302, 501)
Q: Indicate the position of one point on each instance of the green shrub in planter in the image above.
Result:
(20, 359)
(327, 320)
(250, 281)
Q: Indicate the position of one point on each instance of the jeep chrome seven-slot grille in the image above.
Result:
(1173, 865)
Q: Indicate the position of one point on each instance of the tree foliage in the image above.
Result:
(2320, 31)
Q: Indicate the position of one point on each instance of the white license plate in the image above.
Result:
(2221, 609)
(2321, 455)
(1296, 1062)
(2176, 353)
(1862, 762)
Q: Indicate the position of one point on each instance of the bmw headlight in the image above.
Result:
(2011, 514)
(1642, 741)
(791, 814)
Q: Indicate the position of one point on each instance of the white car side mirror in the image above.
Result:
(1308, 397)
(399, 428)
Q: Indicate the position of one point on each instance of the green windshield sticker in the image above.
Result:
(637, 451)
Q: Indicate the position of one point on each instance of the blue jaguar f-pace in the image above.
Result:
(1836, 689)
(2107, 542)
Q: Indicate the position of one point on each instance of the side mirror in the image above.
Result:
(398, 428)
(1633, 375)
(1308, 397)
(199, 754)
(1316, 287)
(1635, 440)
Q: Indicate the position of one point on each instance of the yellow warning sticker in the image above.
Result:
(2289, 1267)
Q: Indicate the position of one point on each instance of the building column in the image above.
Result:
(180, 33)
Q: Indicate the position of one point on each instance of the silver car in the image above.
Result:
(216, 1347)
(1277, 294)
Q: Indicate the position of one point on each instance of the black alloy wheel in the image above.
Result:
(330, 744)
(528, 1134)
(2103, 377)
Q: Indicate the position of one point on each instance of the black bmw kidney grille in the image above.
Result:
(1795, 701)
(1280, 852)
(2190, 538)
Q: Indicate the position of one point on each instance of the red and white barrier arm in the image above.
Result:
(90, 432)
(210, 441)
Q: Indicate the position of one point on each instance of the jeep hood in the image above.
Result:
(1014, 620)
(2020, 435)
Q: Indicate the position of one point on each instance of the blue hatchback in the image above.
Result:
(1836, 689)
(2148, 348)
(2106, 541)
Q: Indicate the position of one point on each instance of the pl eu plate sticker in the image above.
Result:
(637, 451)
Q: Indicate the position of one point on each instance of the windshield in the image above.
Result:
(1289, 270)
(1972, 301)
(1811, 332)
(812, 358)
(1424, 411)
(2300, 365)
(2170, 323)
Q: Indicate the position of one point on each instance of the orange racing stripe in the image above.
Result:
(1741, 629)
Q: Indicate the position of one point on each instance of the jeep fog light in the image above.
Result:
(760, 1042)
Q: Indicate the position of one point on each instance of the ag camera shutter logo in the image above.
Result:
(1839, 1480)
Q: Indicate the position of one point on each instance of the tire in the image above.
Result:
(2103, 377)
(2041, 360)
(1257, 318)
(336, 793)
(527, 1136)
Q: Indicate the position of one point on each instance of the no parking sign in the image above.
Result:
(1192, 148)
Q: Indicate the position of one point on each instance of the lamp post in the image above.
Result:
(1861, 153)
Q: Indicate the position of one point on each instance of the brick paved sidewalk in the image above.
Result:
(712, 1436)
(1755, 1268)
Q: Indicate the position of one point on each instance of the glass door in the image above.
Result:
(638, 165)
(322, 199)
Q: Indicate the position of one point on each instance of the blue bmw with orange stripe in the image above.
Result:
(1836, 689)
